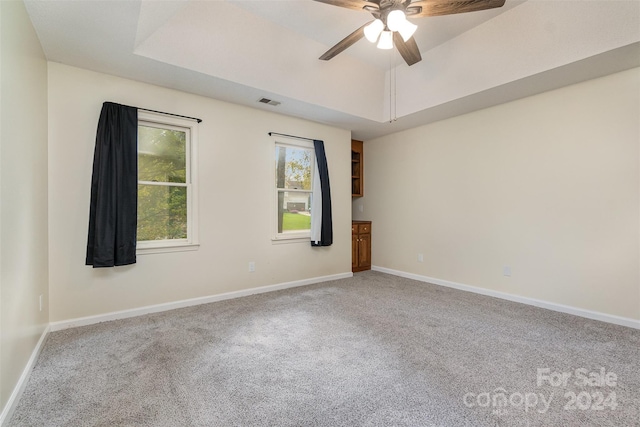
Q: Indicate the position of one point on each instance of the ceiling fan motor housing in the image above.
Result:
(382, 10)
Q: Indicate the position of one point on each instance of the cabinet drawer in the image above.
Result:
(360, 228)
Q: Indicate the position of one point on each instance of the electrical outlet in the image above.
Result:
(361, 208)
(420, 257)
(40, 301)
(506, 271)
(252, 267)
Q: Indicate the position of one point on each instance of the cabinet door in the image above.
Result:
(354, 251)
(364, 250)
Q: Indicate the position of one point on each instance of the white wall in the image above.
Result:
(236, 160)
(548, 185)
(23, 179)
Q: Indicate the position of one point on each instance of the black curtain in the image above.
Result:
(114, 188)
(326, 233)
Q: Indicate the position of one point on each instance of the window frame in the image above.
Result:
(189, 126)
(295, 236)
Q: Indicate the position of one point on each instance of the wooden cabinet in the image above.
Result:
(357, 168)
(360, 246)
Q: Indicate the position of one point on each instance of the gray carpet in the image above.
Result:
(373, 350)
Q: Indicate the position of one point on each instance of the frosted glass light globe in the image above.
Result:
(395, 19)
(386, 40)
(373, 30)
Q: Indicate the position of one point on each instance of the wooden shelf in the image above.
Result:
(357, 167)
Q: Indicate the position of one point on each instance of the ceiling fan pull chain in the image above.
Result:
(393, 89)
(395, 92)
(390, 89)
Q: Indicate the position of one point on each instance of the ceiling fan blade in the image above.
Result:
(351, 4)
(344, 43)
(449, 7)
(408, 50)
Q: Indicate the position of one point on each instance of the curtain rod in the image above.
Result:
(170, 114)
(290, 136)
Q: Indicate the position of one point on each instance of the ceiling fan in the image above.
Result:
(391, 26)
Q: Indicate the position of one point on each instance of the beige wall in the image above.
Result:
(235, 153)
(23, 187)
(548, 185)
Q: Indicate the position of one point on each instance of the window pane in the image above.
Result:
(161, 155)
(293, 168)
(294, 211)
(162, 212)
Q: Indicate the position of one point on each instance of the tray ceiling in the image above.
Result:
(242, 50)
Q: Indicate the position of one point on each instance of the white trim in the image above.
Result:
(581, 312)
(174, 247)
(13, 400)
(164, 184)
(192, 191)
(298, 239)
(293, 142)
(90, 320)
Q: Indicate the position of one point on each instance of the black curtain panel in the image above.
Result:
(114, 188)
(326, 232)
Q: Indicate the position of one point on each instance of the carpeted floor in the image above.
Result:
(373, 350)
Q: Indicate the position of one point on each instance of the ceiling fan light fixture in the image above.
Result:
(386, 40)
(395, 19)
(407, 29)
(393, 14)
(373, 30)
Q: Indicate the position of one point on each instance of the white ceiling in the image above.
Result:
(242, 50)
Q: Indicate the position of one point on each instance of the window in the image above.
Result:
(167, 197)
(294, 163)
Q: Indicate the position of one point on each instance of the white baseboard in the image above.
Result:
(13, 400)
(90, 320)
(589, 314)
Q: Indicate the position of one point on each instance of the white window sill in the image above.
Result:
(281, 240)
(158, 249)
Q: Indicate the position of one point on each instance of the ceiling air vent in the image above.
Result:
(268, 101)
